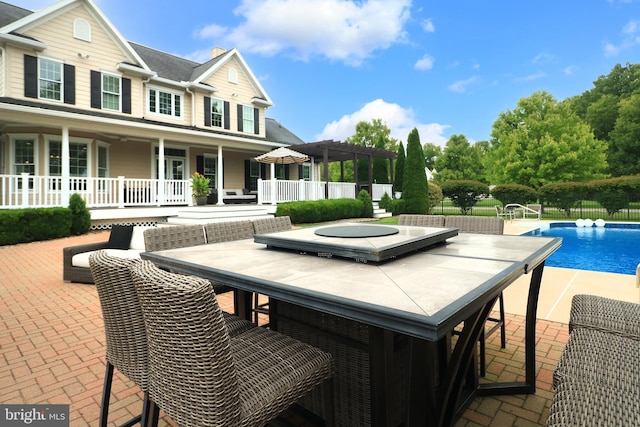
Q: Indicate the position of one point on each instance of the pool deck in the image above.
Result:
(559, 285)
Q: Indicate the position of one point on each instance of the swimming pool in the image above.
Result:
(614, 248)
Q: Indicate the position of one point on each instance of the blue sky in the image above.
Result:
(444, 66)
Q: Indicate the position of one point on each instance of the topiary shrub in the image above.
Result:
(563, 195)
(385, 202)
(367, 204)
(514, 193)
(415, 190)
(464, 194)
(80, 215)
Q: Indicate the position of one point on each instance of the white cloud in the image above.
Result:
(569, 70)
(424, 63)
(545, 58)
(339, 30)
(399, 120)
(461, 86)
(630, 39)
(531, 77)
(428, 26)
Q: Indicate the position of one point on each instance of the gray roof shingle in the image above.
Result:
(10, 13)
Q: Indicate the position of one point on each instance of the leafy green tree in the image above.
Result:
(399, 169)
(415, 190)
(373, 134)
(464, 194)
(431, 153)
(458, 161)
(543, 141)
(435, 195)
(624, 144)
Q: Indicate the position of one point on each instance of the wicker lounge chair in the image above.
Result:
(483, 225)
(126, 340)
(200, 376)
(262, 226)
(605, 314)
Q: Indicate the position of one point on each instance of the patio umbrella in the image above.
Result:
(283, 156)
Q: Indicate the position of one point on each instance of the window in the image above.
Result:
(50, 79)
(254, 174)
(24, 158)
(247, 118)
(210, 170)
(306, 172)
(217, 112)
(110, 92)
(102, 167)
(280, 172)
(78, 159)
(165, 103)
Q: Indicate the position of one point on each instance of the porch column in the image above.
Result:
(272, 183)
(325, 159)
(66, 163)
(161, 172)
(219, 176)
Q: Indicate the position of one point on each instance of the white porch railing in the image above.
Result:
(28, 191)
(22, 191)
(278, 191)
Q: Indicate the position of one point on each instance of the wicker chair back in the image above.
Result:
(271, 225)
(173, 237)
(421, 220)
(476, 224)
(228, 230)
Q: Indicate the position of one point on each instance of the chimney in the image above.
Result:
(217, 51)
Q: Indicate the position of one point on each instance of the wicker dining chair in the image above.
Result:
(228, 230)
(179, 236)
(263, 226)
(200, 376)
(483, 225)
(421, 220)
(605, 314)
(126, 341)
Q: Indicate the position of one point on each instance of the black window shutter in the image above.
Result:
(227, 119)
(300, 172)
(96, 85)
(126, 96)
(286, 171)
(69, 84)
(30, 76)
(256, 121)
(207, 111)
(200, 164)
(239, 118)
(263, 170)
(247, 174)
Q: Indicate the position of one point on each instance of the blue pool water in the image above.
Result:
(614, 248)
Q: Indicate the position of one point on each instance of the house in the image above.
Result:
(82, 110)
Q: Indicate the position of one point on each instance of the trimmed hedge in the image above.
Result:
(514, 193)
(321, 210)
(31, 225)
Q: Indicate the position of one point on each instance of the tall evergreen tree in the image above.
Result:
(415, 189)
(399, 169)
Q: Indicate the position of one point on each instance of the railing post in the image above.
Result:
(24, 177)
(121, 190)
(301, 192)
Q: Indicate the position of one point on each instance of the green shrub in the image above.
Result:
(398, 182)
(563, 195)
(320, 210)
(385, 202)
(80, 215)
(31, 225)
(514, 193)
(367, 204)
(397, 207)
(435, 195)
(464, 194)
(610, 193)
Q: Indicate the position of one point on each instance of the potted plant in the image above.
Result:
(200, 188)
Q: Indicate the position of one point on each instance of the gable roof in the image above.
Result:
(277, 133)
(10, 13)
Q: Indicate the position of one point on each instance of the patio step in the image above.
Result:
(207, 214)
(379, 212)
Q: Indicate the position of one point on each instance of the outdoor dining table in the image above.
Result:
(403, 284)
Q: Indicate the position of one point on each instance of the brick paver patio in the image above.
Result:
(52, 346)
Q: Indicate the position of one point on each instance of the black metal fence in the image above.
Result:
(585, 209)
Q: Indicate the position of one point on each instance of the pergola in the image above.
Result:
(335, 151)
